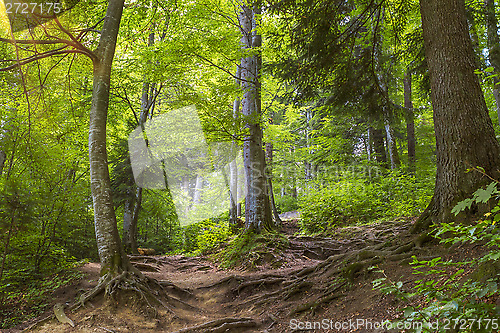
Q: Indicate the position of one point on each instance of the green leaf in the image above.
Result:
(399, 284)
(461, 206)
(481, 293)
(484, 195)
(408, 311)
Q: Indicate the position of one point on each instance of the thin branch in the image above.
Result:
(38, 57)
(221, 68)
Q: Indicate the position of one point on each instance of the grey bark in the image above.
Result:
(392, 148)
(464, 132)
(410, 122)
(197, 190)
(233, 167)
(112, 257)
(257, 210)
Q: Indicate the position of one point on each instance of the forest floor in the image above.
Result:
(311, 280)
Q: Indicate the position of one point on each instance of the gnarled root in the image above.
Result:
(221, 325)
(125, 281)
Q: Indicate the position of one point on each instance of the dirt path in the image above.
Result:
(320, 280)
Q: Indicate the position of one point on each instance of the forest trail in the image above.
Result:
(313, 283)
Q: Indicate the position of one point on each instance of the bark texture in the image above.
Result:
(112, 257)
(257, 208)
(463, 128)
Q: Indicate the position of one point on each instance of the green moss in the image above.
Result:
(250, 249)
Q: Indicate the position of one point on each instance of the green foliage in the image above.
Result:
(32, 297)
(453, 298)
(205, 235)
(352, 200)
(286, 203)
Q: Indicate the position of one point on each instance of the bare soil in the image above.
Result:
(319, 279)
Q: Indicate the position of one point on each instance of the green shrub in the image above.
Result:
(286, 203)
(206, 235)
(353, 200)
(452, 301)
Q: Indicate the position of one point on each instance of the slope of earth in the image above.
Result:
(321, 280)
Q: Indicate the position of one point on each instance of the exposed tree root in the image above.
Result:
(126, 281)
(258, 282)
(226, 280)
(221, 325)
(144, 267)
(337, 271)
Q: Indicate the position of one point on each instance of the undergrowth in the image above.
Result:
(354, 200)
(251, 250)
(20, 303)
(457, 296)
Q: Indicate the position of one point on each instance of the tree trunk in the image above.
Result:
(112, 257)
(197, 190)
(378, 147)
(135, 219)
(410, 123)
(493, 49)
(269, 155)
(463, 128)
(233, 167)
(233, 192)
(3, 156)
(257, 210)
(392, 148)
(134, 202)
(128, 215)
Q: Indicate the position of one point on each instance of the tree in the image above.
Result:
(257, 208)
(410, 122)
(464, 132)
(3, 156)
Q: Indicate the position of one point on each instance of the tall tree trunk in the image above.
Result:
(198, 186)
(391, 140)
(410, 123)
(112, 257)
(493, 49)
(464, 132)
(233, 167)
(3, 157)
(128, 215)
(135, 219)
(379, 147)
(269, 156)
(134, 201)
(257, 210)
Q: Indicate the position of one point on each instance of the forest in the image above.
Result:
(249, 166)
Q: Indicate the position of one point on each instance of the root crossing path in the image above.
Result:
(321, 281)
